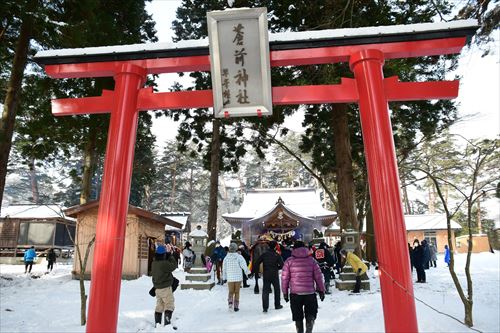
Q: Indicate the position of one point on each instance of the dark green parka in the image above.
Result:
(161, 270)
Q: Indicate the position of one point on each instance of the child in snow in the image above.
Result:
(188, 255)
(447, 255)
(51, 259)
(161, 270)
(233, 268)
(302, 277)
(29, 257)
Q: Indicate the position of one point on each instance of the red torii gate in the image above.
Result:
(365, 54)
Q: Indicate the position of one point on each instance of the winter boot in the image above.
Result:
(157, 318)
(299, 326)
(309, 325)
(236, 306)
(327, 289)
(168, 317)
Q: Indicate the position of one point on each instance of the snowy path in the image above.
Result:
(51, 304)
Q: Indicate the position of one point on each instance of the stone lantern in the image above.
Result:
(198, 239)
(350, 240)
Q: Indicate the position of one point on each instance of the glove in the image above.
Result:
(285, 297)
(321, 296)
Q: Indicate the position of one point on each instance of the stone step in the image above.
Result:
(350, 276)
(198, 270)
(347, 269)
(198, 277)
(197, 286)
(349, 285)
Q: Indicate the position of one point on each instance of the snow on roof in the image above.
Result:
(273, 37)
(428, 222)
(179, 217)
(33, 211)
(198, 233)
(303, 201)
(417, 222)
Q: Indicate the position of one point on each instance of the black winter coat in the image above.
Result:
(418, 256)
(272, 263)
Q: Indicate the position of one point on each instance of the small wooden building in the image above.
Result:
(41, 226)
(431, 227)
(480, 243)
(144, 228)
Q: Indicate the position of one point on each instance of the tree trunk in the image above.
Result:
(371, 250)
(34, 183)
(83, 295)
(214, 181)
(188, 226)
(345, 179)
(174, 177)
(406, 201)
(432, 199)
(12, 93)
(468, 314)
(89, 158)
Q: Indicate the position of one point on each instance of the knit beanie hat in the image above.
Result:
(233, 247)
(161, 249)
(298, 244)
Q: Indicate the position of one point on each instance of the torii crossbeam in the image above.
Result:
(365, 49)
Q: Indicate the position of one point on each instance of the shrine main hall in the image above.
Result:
(292, 213)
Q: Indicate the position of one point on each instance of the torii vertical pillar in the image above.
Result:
(113, 207)
(390, 231)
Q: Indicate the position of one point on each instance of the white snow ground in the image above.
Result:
(51, 303)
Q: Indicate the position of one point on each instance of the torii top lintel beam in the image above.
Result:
(290, 48)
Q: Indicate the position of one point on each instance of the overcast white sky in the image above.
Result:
(478, 94)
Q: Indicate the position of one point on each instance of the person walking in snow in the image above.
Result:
(161, 270)
(447, 255)
(301, 277)
(272, 263)
(419, 259)
(338, 257)
(427, 253)
(358, 267)
(217, 258)
(51, 259)
(233, 268)
(433, 255)
(326, 262)
(243, 250)
(188, 256)
(29, 258)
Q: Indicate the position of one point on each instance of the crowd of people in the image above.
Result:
(423, 255)
(306, 272)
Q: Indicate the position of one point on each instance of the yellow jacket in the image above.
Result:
(356, 263)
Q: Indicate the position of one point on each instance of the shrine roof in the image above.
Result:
(278, 41)
(34, 212)
(302, 201)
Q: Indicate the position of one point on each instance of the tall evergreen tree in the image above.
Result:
(83, 24)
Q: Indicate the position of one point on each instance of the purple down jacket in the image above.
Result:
(300, 273)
